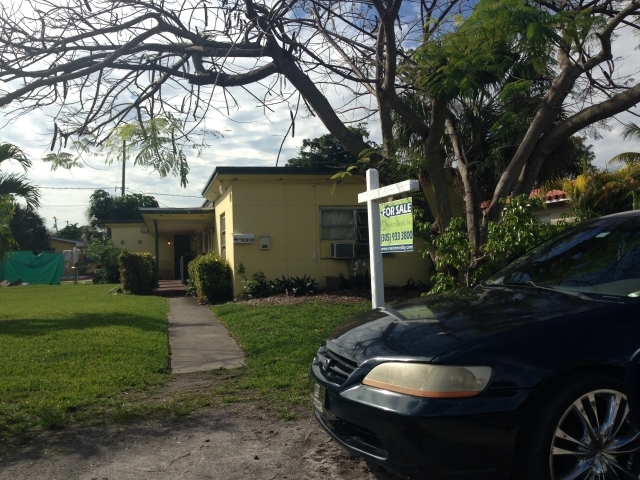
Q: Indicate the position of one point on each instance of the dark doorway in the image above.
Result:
(181, 246)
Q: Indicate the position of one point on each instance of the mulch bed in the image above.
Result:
(392, 295)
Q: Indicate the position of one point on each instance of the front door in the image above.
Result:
(181, 246)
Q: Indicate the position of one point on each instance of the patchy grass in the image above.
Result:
(74, 355)
(280, 342)
(68, 353)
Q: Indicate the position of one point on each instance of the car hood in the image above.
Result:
(429, 326)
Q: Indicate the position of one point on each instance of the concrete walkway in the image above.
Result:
(197, 339)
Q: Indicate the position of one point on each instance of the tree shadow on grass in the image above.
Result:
(31, 327)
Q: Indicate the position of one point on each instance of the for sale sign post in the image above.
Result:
(396, 226)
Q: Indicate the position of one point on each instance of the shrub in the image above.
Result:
(137, 272)
(303, 286)
(211, 276)
(281, 286)
(257, 286)
(105, 256)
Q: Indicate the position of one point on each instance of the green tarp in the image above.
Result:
(44, 268)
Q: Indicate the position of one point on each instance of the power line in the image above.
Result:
(72, 188)
(126, 188)
(165, 194)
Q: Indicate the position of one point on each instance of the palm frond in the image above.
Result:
(13, 184)
(626, 158)
(9, 151)
(631, 132)
(62, 160)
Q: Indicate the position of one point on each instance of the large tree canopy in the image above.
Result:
(106, 63)
(104, 207)
(29, 230)
(326, 152)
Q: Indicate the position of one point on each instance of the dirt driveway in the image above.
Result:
(231, 443)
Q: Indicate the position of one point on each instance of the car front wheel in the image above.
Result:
(582, 431)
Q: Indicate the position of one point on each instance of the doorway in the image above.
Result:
(181, 246)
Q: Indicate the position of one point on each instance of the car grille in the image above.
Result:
(358, 437)
(335, 367)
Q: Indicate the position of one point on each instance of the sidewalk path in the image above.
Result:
(197, 339)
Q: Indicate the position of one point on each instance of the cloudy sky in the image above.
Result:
(249, 139)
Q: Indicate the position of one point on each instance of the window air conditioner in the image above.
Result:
(342, 250)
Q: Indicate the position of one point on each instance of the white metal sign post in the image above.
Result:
(372, 196)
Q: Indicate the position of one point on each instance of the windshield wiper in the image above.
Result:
(531, 284)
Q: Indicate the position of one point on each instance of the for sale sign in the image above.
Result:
(396, 226)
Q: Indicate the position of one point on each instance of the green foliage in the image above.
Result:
(191, 288)
(74, 232)
(14, 184)
(62, 160)
(104, 207)
(486, 47)
(105, 255)
(256, 286)
(259, 287)
(325, 151)
(303, 286)
(137, 272)
(211, 276)
(6, 236)
(459, 264)
(29, 231)
(281, 286)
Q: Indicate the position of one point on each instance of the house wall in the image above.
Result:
(131, 237)
(554, 212)
(290, 214)
(60, 245)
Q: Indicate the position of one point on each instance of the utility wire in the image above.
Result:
(126, 188)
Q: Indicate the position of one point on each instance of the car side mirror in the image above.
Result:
(632, 387)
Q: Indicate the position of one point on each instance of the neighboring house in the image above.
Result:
(557, 203)
(283, 221)
(556, 206)
(62, 244)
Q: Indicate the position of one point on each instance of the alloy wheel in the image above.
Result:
(596, 440)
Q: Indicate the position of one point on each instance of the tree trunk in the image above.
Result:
(434, 159)
(471, 204)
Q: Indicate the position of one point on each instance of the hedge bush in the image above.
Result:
(211, 277)
(105, 256)
(137, 272)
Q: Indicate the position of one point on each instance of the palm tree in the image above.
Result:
(630, 166)
(16, 184)
(631, 131)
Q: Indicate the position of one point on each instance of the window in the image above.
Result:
(223, 233)
(346, 225)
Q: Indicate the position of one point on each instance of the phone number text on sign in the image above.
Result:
(396, 226)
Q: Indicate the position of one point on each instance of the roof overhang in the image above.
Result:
(225, 176)
(174, 221)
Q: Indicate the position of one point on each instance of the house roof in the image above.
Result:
(550, 196)
(325, 173)
(77, 243)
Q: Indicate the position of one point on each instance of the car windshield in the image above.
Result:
(597, 257)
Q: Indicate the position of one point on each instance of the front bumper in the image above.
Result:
(424, 438)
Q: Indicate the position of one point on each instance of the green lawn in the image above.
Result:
(73, 353)
(68, 352)
(280, 342)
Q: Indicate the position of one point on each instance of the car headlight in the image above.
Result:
(431, 381)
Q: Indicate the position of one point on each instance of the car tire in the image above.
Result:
(582, 425)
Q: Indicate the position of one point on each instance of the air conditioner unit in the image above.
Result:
(342, 250)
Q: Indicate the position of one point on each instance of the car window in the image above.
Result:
(599, 257)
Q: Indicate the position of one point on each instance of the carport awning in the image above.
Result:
(176, 221)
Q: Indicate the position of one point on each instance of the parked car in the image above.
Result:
(519, 377)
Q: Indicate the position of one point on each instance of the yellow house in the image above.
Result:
(282, 221)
